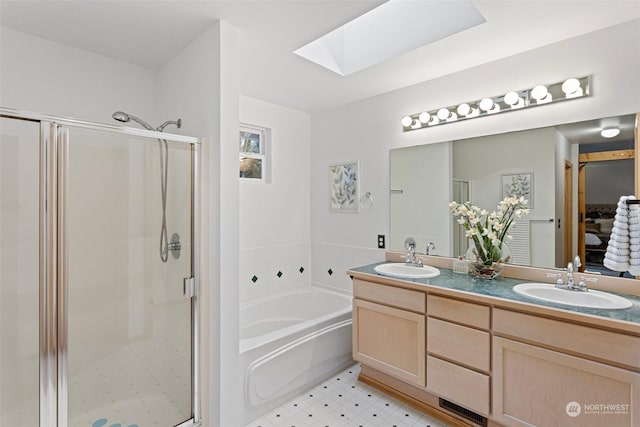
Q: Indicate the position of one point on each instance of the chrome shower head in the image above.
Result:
(121, 116)
(124, 117)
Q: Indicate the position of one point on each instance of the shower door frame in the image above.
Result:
(53, 325)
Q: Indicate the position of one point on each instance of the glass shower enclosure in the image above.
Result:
(96, 330)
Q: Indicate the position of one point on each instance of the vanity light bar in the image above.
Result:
(571, 88)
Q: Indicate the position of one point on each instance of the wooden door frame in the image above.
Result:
(568, 212)
(601, 156)
(636, 163)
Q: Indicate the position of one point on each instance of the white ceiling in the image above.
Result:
(588, 132)
(152, 32)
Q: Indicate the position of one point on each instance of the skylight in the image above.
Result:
(391, 29)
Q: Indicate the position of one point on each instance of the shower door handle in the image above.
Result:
(189, 287)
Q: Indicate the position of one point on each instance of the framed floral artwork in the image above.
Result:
(519, 185)
(344, 187)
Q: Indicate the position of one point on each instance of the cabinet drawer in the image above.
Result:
(467, 313)
(467, 346)
(593, 343)
(390, 295)
(460, 385)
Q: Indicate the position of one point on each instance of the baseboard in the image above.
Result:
(415, 403)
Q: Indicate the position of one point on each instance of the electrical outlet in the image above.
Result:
(380, 241)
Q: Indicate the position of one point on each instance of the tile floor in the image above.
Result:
(343, 401)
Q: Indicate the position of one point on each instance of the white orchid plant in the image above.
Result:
(489, 230)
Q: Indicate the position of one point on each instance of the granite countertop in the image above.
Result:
(502, 287)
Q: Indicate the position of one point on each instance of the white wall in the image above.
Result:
(424, 175)
(41, 76)
(200, 86)
(274, 217)
(483, 160)
(366, 130)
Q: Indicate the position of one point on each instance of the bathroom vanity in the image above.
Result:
(474, 352)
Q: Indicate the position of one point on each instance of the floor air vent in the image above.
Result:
(463, 412)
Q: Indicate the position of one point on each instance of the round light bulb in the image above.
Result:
(486, 104)
(511, 98)
(443, 114)
(424, 117)
(406, 121)
(610, 132)
(570, 86)
(539, 92)
(464, 109)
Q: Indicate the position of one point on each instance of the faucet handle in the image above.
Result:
(582, 285)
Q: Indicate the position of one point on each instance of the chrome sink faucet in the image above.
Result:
(430, 246)
(571, 284)
(411, 258)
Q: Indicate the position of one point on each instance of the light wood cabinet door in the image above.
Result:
(390, 340)
(540, 387)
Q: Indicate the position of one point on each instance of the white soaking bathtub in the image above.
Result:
(291, 341)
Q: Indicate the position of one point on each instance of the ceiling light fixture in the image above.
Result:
(571, 88)
(610, 132)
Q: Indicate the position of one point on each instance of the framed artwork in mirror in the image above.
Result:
(519, 185)
(344, 187)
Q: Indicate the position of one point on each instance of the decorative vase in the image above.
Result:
(487, 270)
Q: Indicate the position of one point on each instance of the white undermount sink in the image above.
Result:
(404, 271)
(590, 299)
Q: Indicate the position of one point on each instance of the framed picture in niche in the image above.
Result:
(519, 185)
(344, 187)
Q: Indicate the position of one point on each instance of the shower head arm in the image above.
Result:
(123, 117)
(178, 124)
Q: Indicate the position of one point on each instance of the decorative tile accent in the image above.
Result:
(301, 270)
(330, 271)
(279, 274)
(254, 279)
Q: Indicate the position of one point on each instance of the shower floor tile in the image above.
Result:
(343, 401)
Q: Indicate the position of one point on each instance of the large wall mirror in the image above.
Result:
(576, 177)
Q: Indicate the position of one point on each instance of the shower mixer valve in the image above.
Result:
(175, 246)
